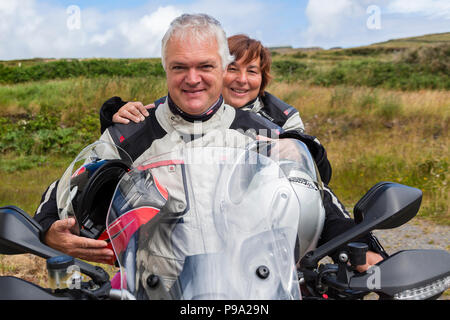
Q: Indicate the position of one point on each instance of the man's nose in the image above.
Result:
(193, 77)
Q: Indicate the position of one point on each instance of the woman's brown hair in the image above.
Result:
(242, 45)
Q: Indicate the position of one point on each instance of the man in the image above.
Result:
(195, 67)
(194, 55)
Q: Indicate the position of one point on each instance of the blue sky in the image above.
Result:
(134, 28)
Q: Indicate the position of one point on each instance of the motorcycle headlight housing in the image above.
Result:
(422, 293)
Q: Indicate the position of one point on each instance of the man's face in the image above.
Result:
(194, 73)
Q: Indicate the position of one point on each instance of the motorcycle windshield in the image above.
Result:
(212, 223)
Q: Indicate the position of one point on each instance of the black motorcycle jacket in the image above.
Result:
(276, 111)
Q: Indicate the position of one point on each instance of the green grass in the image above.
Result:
(24, 186)
(59, 117)
(404, 64)
(79, 94)
(382, 112)
(63, 69)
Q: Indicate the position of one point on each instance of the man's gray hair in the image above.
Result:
(202, 27)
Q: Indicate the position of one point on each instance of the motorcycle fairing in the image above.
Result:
(241, 214)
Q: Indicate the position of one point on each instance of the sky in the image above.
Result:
(134, 28)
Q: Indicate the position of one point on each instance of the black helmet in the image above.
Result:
(92, 187)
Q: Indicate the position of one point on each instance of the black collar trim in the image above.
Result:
(192, 118)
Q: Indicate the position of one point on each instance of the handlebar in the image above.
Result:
(116, 294)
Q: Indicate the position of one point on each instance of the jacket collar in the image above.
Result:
(193, 118)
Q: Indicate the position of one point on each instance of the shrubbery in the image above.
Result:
(62, 69)
(389, 75)
(291, 70)
(43, 135)
(400, 68)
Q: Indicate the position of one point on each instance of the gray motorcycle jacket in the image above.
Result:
(164, 129)
(267, 107)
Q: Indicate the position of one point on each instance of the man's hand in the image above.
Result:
(372, 258)
(134, 111)
(60, 238)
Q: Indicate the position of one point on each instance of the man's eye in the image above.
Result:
(177, 68)
(207, 67)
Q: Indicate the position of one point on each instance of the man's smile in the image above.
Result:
(193, 92)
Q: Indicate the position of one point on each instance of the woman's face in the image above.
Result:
(242, 82)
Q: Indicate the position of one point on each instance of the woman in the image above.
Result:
(244, 87)
(246, 79)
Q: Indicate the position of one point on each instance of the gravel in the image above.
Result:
(416, 234)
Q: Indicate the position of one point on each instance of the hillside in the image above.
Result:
(425, 40)
(382, 113)
(401, 43)
(406, 64)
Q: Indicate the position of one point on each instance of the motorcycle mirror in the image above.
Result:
(386, 205)
(19, 234)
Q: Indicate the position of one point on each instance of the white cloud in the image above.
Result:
(429, 8)
(345, 22)
(100, 39)
(33, 28)
(236, 16)
(30, 29)
(143, 37)
(328, 18)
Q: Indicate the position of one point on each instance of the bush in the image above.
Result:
(341, 97)
(434, 58)
(389, 75)
(62, 69)
(42, 135)
(389, 108)
(299, 55)
(290, 69)
(368, 101)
